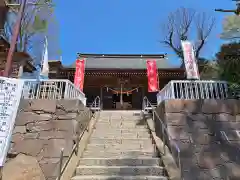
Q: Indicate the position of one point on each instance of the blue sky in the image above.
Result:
(126, 26)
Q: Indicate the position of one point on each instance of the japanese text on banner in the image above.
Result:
(190, 60)
(79, 74)
(153, 84)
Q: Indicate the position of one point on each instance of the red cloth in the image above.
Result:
(79, 74)
(152, 74)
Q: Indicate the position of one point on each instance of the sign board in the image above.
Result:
(190, 60)
(10, 95)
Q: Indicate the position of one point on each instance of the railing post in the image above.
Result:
(226, 89)
(172, 89)
(164, 145)
(66, 90)
(77, 144)
(85, 101)
(60, 164)
(180, 165)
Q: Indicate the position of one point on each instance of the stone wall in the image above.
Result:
(43, 127)
(206, 131)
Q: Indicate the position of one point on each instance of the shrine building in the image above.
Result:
(118, 77)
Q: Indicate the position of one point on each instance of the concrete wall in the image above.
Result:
(43, 127)
(195, 126)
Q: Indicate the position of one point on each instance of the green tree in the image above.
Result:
(209, 70)
(228, 60)
(228, 66)
(231, 28)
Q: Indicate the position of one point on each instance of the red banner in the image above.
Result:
(79, 74)
(153, 85)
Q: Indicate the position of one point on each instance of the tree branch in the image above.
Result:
(179, 26)
(204, 25)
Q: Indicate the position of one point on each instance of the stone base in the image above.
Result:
(44, 127)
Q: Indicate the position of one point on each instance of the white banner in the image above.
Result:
(10, 95)
(190, 60)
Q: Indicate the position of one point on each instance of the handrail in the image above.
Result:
(51, 89)
(147, 103)
(193, 89)
(75, 146)
(96, 104)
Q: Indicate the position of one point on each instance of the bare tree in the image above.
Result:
(181, 24)
(34, 27)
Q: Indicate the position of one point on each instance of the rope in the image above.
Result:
(123, 92)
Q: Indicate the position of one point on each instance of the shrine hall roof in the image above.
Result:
(123, 61)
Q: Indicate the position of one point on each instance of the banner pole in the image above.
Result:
(13, 43)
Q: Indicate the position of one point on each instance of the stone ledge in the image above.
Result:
(196, 126)
(207, 106)
(44, 127)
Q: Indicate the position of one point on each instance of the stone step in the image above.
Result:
(117, 125)
(120, 148)
(129, 154)
(121, 141)
(120, 162)
(93, 177)
(141, 130)
(111, 147)
(121, 130)
(119, 156)
(126, 119)
(119, 151)
(120, 135)
(120, 170)
(109, 127)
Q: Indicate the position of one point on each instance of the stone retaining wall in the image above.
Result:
(43, 127)
(199, 128)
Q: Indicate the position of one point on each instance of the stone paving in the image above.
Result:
(120, 148)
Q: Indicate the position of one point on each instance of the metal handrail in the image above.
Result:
(60, 164)
(74, 149)
(96, 104)
(193, 89)
(164, 131)
(51, 89)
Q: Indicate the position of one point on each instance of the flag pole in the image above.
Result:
(14, 39)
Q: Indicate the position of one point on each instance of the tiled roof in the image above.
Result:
(123, 61)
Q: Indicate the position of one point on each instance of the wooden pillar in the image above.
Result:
(68, 76)
(101, 97)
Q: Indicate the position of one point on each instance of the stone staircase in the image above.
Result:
(120, 149)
